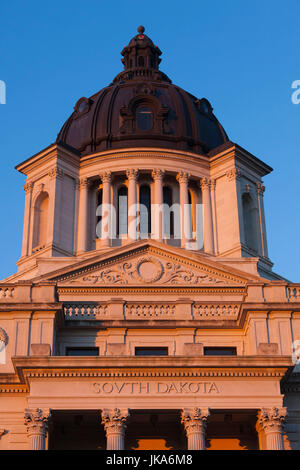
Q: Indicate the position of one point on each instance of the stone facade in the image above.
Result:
(131, 340)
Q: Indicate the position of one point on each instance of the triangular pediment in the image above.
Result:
(148, 264)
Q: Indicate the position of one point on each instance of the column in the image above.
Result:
(207, 216)
(106, 208)
(214, 214)
(36, 421)
(262, 225)
(114, 421)
(156, 214)
(195, 422)
(132, 204)
(185, 219)
(270, 420)
(82, 215)
(28, 187)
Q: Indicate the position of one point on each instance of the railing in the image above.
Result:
(215, 311)
(293, 293)
(159, 311)
(85, 311)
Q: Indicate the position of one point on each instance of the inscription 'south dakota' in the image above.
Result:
(108, 388)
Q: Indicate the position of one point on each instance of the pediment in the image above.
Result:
(149, 265)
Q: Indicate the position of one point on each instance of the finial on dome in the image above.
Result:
(141, 29)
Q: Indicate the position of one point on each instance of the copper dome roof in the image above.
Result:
(142, 108)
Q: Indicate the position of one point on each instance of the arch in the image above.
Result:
(40, 224)
(145, 211)
(191, 214)
(168, 215)
(141, 61)
(144, 118)
(122, 211)
(99, 197)
(250, 221)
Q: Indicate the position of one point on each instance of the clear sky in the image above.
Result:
(241, 55)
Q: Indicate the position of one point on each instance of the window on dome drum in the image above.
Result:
(145, 211)
(151, 351)
(141, 61)
(99, 215)
(220, 351)
(122, 220)
(144, 117)
(168, 215)
(72, 351)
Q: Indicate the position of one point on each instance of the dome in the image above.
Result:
(142, 108)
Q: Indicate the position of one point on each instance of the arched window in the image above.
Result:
(99, 215)
(141, 61)
(145, 211)
(191, 219)
(40, 220)
(122, 221)
(144, 117)
(250, 221)
(168, 216)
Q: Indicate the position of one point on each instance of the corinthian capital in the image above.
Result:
(271, 418)
(132, 174)
(260, 188)
(157, 174)
(55, 172)
(106, 177)
(207, 183)
(195, 419)
(233, 174)
(182, 177)
(114, 420)
(36, 420)
(28, 187)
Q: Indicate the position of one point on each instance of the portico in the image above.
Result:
(122, 390)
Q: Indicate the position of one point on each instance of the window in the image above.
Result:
(145, 211)
(70, 351)
(250, 224)
(141, 61)
(168, 215)
(40, 220)
(144, 118)
(220, 351)
(99, 214)
(151, 351)
(122, 211)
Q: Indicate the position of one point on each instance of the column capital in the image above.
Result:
(106, 177)
(36, 420)
(28, 187)
(132, 174)
(56, 172)
(207, 183)
(182, 177)
(233, 174)
(260, 188)
(195, 419)
(271, 419)
(114, 420)
(158, 174)
(83, 182)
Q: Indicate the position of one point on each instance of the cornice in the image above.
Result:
(137, 248)
(241, 366)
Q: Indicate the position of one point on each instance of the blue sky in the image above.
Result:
(242, 56)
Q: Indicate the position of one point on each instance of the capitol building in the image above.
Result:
(145, 312)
